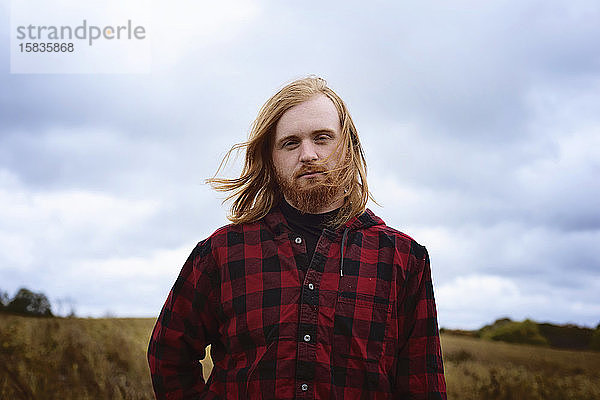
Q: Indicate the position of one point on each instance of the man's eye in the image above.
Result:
(321, 138)
(290, 143)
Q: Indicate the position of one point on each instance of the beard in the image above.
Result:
(310, 195)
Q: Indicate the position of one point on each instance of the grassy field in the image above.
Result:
(53, 358)
(479, 369)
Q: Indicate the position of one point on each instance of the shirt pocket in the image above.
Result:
(359, 327)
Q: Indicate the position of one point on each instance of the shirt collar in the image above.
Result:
(279, 226)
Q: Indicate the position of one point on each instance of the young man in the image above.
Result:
(308, 294)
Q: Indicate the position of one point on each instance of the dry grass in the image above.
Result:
(53, 358)
(479, 369)
(50, 358)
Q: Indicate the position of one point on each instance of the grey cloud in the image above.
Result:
(463, 111)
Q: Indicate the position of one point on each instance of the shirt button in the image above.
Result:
(311, 286)
(298, 240)
(304, 387)
(307, 338)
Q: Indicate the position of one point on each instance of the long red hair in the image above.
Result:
(256, 191)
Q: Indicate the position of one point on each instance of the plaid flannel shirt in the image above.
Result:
(361, 325)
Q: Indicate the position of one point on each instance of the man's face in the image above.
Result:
(306, 139)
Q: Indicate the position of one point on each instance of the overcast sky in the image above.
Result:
(480, 123)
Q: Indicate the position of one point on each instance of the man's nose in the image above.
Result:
(308, 151)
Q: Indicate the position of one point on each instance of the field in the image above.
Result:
(479, 369)
(55, 358)
(72, 358)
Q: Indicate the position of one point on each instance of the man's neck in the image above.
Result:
(306, 219)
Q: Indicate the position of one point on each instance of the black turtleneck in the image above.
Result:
(309, 226)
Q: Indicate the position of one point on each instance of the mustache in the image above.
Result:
(309, 169)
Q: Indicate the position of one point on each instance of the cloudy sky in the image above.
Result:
(480, 122)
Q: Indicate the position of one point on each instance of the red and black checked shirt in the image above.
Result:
(364, 328)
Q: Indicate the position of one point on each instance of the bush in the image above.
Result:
(482, 332)
(27, 302)
(567, 336)
(3, 299)
(526, 332)
(595, 342)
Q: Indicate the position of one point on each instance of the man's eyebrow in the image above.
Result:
(324, 130)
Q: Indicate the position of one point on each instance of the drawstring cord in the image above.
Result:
(342, 251)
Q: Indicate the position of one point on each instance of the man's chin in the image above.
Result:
(306, 185)
(311, 199)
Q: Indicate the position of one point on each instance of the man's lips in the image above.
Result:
(309, 174)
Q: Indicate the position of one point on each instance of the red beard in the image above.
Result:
(310, 195)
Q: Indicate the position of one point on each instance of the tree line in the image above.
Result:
(567, 336)
(26, 302)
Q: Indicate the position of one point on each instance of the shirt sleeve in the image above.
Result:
(420, 370)
(185, 326)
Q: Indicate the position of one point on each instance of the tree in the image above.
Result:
(3, 299)
(516, 332)
(595, 342)
(30, 303)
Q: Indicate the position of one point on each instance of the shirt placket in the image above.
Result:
(308, 316)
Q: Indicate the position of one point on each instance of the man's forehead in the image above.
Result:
(315, 114)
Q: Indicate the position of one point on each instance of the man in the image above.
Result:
(308, 294)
